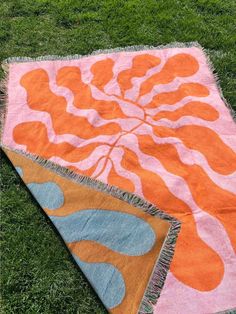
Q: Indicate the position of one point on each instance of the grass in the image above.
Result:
(38, 274)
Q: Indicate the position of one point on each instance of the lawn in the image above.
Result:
(37, 273)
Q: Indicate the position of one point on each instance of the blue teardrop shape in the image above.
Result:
(106, 280)
(48, 194)
(121, 232)
(19, 170)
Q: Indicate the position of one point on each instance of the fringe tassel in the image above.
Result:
(231, 311)
(3, 98)
(102, 51)
(161, 269)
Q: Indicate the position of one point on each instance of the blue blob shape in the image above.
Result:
(48, 194)
(19, 170)
(119, 231)
(106, 280)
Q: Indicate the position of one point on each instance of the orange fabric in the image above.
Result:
(220, 157)
(102, 72)
(179, 65)
(170, 98)
(195, 109)
(140, 65)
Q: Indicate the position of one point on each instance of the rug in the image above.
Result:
(122, 149)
